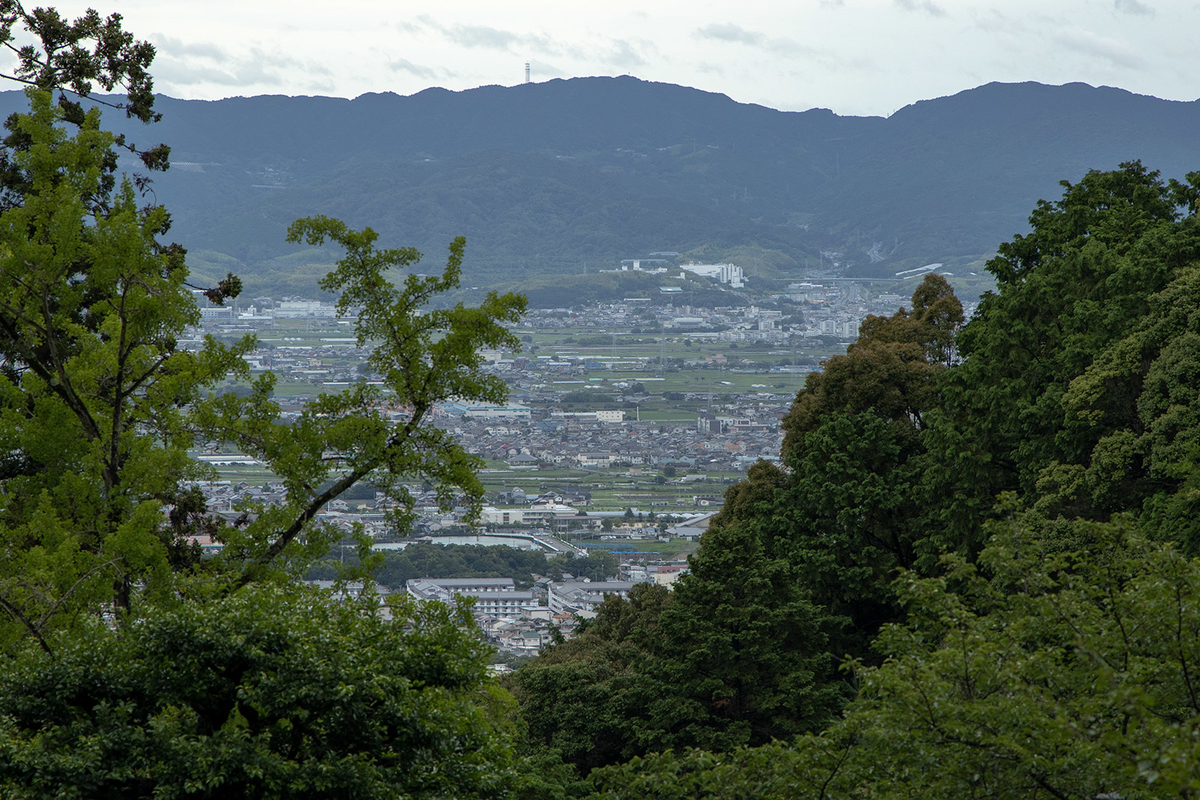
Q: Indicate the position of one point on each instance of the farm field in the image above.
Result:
(669, 378)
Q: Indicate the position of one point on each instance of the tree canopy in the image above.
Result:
(274, 692)
(992, 527)
(132, 666)
(735, 655)
(995, 521)
(1056, 667)
(100, 403)
(844, 507)
(1082, 281)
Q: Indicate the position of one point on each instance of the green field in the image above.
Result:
(611, 490)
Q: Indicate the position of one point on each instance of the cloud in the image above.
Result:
(255, 68)
(1133, 7)
(624, 55)
(410, 27)
(404, 65)
(184, 64)
(928, 6)
(481, 37)
(736, 34)
(1101, 47)
(171, 46)
(729, 32)
(994, 21)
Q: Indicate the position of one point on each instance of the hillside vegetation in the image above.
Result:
(573, 175)
(974, 571)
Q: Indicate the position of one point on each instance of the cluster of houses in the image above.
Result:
(233, 499)
(523, 621)
(830, 308)
(712, 442)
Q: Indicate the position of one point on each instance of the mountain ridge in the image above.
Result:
(549, 177)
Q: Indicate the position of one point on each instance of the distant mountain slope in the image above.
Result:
(960, 174)
(572, 175)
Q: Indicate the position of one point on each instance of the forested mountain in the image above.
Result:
(570, 176)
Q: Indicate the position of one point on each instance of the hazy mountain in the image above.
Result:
(573, 175)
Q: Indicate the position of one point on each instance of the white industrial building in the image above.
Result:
(729, 274)
(497, 597)
(538, 512)
(473, 410)
(293, 309)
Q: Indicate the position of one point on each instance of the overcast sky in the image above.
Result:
(853, 56)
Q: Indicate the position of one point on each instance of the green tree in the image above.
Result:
(736, 654)
(93, 388)
(579, 698)
(271, 692)
(846, 509)
(1079, 283)
(425, 560)
(71, 57)
(597, 565)
(891, 370)
(1140, 395)
(91, 304)
(134, 668)
(99, 405)
(424, 356)
(741, 654)
(775, 771)
(1061, 665)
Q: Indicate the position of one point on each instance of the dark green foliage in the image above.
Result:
(425, 560)
(741, 652)
(848, 513)
(268, 694)
(1139, 401)
(582, 698)
(420, 560)
(1072, 290)
(849, 518)
(774, 771)
(737, 654)
(597, 565)
(1062, 666)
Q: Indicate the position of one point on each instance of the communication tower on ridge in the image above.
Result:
(527, 72)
